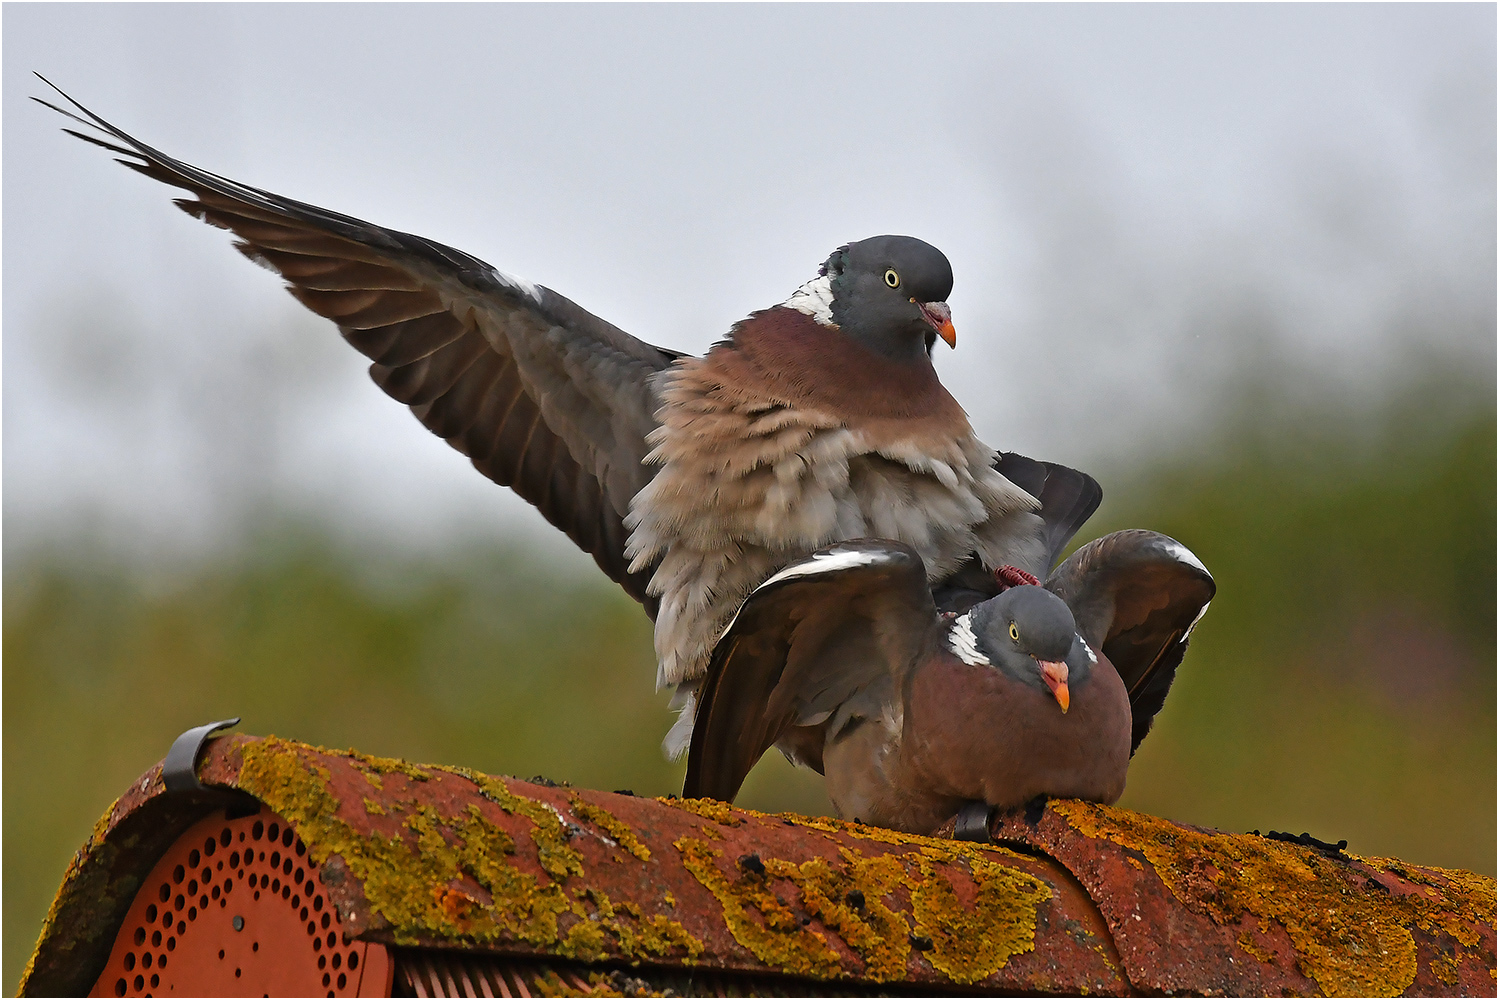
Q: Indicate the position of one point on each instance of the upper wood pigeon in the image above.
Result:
(689, 480)
(844, 662)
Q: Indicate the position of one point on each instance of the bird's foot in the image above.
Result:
(971, 823)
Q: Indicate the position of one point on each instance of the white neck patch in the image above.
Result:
(815, 298)
(964, 644)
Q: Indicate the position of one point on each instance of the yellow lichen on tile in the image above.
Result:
(616, 828)
(1350, 943)
(972, 943)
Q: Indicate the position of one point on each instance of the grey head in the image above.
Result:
(1028, 633)
(891, 293)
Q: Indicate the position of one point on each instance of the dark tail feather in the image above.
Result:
(1069, 497)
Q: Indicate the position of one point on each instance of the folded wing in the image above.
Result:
(541, 395)
(817, 643)
(1136, 595)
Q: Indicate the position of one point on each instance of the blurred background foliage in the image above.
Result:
(1237, 261)
(1343, 682)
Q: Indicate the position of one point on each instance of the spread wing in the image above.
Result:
(1137, 595)
(1069, 498)
(541, 395)
(821, 641)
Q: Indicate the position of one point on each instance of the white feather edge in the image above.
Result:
(815, 298)
(818, 563)
(1182, 554)
(521, 285)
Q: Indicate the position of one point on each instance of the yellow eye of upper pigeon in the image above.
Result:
(891, 278)
(1015, 634)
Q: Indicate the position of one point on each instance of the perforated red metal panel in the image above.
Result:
(236, 908)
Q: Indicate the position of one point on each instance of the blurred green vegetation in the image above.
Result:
(1343, 682)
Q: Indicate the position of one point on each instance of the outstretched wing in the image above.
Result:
(541, 395)
(1137, 595)
(1068, 499)
(810, 647)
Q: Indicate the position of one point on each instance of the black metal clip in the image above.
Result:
(179, 772)
(973, 822)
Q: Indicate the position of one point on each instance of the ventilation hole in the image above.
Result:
(312, 930)
(338, 960)
(161, 961)
(166, 919)
(353, 960)
(223, 903)
(286, 869)
(181, 927)
(150, 912)
(331, 939)
(275, 886)
(130, 961)
(318, 902)
(208, 875)
(296, 902)
(301, 848)
(219, 865)
(286, 891)
(179, 903)
(242, 836)
(203, 900)
(298, 876)
(140, 934)
(178, 874)
(192, 914)
(121, 987)
(273, 832)
(194, 858)
(257, 830)
(146, 958)
(341, 981)
(214, 893)
(241, 874)
(261, 857)
(255, 947)
(275, 860)
(234, 860)
(309, 888)
(156, 980)
(338, 917)
(210, 846)
(325, 922)
(172, 943)
(326, 979)
(265, 881)
(156, 938)
(286, 838)
(304, 914)
(330, 993)
(224, 837)
(257, 894)
(221, 953)
(228, 885)
(322, 962)
(236, 971)
(140, 982)
(192, 888)
(165, 893)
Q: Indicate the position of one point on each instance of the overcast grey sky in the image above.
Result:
(1141, 205)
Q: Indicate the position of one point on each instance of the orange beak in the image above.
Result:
(941, 318)
(1055, 674)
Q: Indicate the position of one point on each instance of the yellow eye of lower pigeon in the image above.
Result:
(1015, 633)
(891, 278)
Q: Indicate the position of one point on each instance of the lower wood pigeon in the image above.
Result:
(844, 662)
(690, 480)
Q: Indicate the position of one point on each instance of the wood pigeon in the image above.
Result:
(689, 480)
(844, 662)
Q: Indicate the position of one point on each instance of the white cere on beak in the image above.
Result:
(815, 298)
(964, 644)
